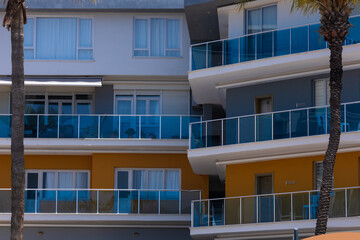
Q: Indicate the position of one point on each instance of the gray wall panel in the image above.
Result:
(104, 100)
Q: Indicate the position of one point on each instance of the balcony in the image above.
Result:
(103, 205)
(262, 45)
(302, 122)
(273, 212)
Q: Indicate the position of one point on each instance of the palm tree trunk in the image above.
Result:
(336, 72)
(17, 127)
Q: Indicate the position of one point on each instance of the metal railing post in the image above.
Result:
(240, 211)
(36, 200)
(238, 140)
(274, 206)
(159, 127)
(326, 120)
(159, 204)
(37, 125)
(56, 201)
(58, 126)
(272, 126)
(97, 201)
(345, 120)
(99, 127)
(181, 127)
(180, 197)
(309, 206)
(255, 46)
(77, 201)
(118, 202)
(224, 215)
(190, 59)
(208, 213)
(192, 214)
(79, 117)
(206, 134)
(291, 207)
(308, 122)
(222, 132)
(273, 43)
(346, 202)
(257, 209)
(119, 127)
(190, 136)
(290, 116)
(138, 201)
(139, 127)
(255, 128)
(223, 53)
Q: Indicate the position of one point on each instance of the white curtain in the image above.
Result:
(254, 24)
(172, 179)
(320, 92)
(269, 18)
(29, 39)
(66, 42)
(85, 33)
(156, 179)
(46, 37)
(140, 106)
(139, 179)
(65, 180)
(124, 106)
(154, 107)
(141, 37)
(48, 180)
(82, 180)
(157, 38)
(173, 37)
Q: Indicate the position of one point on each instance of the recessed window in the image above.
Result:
(322, 92)
(261, 19)
(47, 38)
(157, 37)
(148, 179)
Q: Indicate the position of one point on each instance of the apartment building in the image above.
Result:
(108, 108)
(261, 73)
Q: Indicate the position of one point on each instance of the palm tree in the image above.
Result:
(334, 19)
(15, 17)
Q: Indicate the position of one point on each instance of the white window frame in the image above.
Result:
(165, 39)
(73, 100)
(77, 37)
(261, 16)
(325, 82)
(56, 172)
(133, 95)
(130, 177)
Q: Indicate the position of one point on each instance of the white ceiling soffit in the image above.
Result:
(58, 82)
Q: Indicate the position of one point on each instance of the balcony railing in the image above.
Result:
(272, 126)
(102, 126)
(96, 201)
(280, 207)
(264, 45)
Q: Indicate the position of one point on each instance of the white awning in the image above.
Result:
(64, 82)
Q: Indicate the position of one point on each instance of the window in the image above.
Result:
(261, 19)
(144, 104)
(58, 104)
(157, 37)
(318, 174)
(148, 179)
(322, 92)
(58, 38)
(51, 179)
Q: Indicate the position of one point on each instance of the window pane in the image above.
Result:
(173, 34)
(318, 175)
(154, 107)
(124, 106)
(320, 93)
(34, 107)
(140, 106)
(32, 180)
(157, 38)
(85, 54)
(82, 180)
(66, 42)
(48, 180)
(269, 18)
(65, 180)
(172, 179)
(46, 37)
(254, 24)
(173, 53)
(66, 108)
(53, 108)
(139, 179)
(83, 108)
(29, 33)
(141, 33)
(122, 179)
(141, 53)
(29, 54)
(156, 179)
(85, 33)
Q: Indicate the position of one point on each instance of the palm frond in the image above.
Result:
(240, 3)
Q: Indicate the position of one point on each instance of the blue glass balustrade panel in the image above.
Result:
(106, 202)
(129, 127)
(87, 201)
(46, 201)
(185, 121)
(232, 51)
(299, 123)
(198, 57)
(266, 208)
(30, 126)
(214, 133)
(299, 39)
(317, 121)
(231, 131)
(353, 202)
(201, 214)
(281, 125)
(169, 202)
(30, 201)
(316, 41)
(300, 206)
(283, 207)
(247, 129)
(150, 127)
(282, 42)
(265, 45)
(217, 212)
(109, 126)
(48, 126)
(337, 203)
(5, 126)
(69, 126)
(198, 135)
(149, 202)
(170, 127)
(247, 48)
(89, 126)
(215, 54)
(66, 201)
(353, 117)
(264, 127)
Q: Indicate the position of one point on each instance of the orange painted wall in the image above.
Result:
(59, 162)
(5, 171)
(240, 178)
(104, 166)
